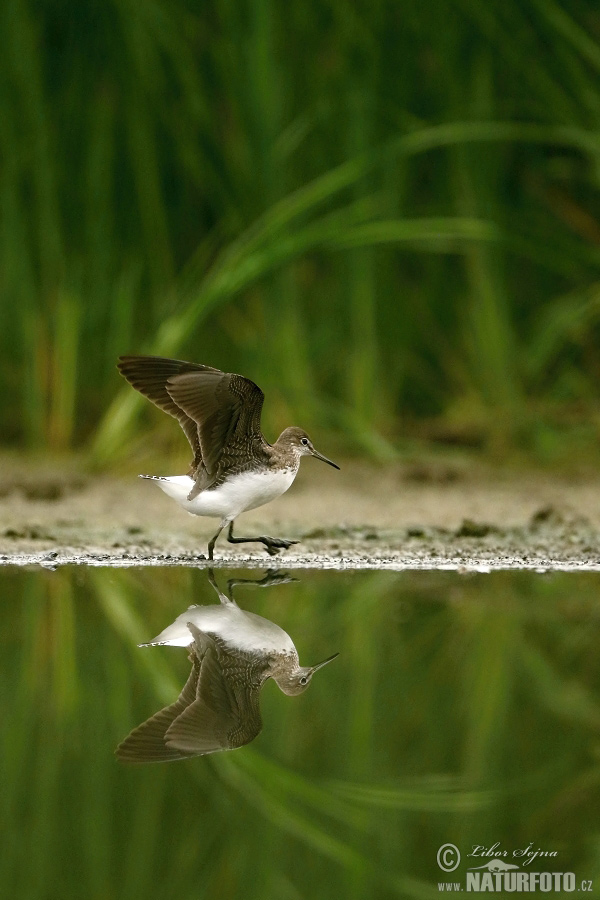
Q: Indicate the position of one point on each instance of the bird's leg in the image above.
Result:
(226, 601)
(273, 545)
(211, 543)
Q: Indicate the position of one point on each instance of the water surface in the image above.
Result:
(462, 709)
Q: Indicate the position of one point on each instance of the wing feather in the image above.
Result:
(225, 714)
(227, 410)
(218, 709)
(149, 376)
(219, 412)
(146, 743)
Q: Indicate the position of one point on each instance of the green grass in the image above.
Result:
(391, 226)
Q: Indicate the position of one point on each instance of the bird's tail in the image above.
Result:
(176, 486)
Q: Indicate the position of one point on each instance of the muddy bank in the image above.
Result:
(435, 515)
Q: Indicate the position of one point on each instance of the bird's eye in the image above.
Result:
(304, 441)
(304, 680)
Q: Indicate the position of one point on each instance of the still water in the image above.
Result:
(462, 710)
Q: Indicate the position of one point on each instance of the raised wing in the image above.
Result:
(149, 375)
(219, 412)
(227, 410)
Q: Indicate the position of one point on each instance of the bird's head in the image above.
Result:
(298, 681)
(297, 440)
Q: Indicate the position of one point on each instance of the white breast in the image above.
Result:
(248, 490)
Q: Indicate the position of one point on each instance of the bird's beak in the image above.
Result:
(324, 663)
(323, 458)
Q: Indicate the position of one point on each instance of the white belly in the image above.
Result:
(242, 492)
(235, 626)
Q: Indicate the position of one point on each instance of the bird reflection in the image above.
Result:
(233, 653)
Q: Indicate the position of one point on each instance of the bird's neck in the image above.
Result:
(283, 665)
(283, 455)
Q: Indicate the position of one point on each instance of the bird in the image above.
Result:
(234, 468)
(233, 653)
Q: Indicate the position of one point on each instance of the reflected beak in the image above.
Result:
(329, 659)
(323, 458)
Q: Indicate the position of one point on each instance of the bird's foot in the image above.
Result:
(274, 545)
(276, 576)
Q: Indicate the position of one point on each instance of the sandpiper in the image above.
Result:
(233, 653)
(234, 468)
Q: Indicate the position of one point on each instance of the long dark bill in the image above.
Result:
(324, 663)
(324, 459)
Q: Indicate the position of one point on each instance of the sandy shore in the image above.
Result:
(439, 514)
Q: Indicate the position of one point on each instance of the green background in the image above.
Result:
(385, 213)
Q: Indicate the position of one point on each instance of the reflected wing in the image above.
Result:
(146, 743)
(227, 411)
(225, 713)
(149, 376)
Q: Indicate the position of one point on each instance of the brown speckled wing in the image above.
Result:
(226, 712)
(227, 410)
(147, 742)
(149, 375)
